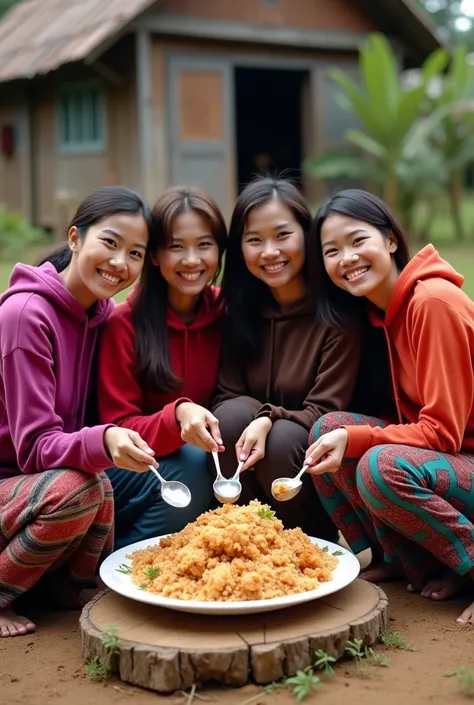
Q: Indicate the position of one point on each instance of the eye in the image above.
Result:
(252, 241)
(284, 233)
(359, 240)
(137, 253)
(175, 247)
(109, 241)
(331, 251)
(206, 243)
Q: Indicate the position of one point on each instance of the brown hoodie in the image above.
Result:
(306, 368)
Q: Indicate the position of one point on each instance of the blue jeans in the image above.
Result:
(140, 512)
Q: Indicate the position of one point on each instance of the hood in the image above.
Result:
(210, 310)
(303, 307)
(46, 282)
(426, 264)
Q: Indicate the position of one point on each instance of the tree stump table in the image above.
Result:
(166, 650)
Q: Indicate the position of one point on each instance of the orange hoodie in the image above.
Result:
(429, 327)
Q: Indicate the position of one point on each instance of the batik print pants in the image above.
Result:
(55, 519)
(414, 505)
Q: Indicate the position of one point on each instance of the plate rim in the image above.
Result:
(209, 607)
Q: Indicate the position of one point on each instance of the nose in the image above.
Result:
(270, 251)
(191, 258)
(118, 261)
(348, 257)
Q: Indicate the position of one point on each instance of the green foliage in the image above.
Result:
(266, 513)
(412, 147)
(6, 5)
(394, 640)
(124, 569)
(303, 684)
(98, 668)
(324, 662)
(465, 680)
(17, 235)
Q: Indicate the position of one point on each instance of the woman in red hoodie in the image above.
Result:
(405, 489)
(158, 364)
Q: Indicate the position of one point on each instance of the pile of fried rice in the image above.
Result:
(232, 554)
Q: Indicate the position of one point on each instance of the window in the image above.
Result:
(81, 113)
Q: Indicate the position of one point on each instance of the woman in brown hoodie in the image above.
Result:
(281, 369)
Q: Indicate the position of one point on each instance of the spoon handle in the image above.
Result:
(301, 472)
(215, 457)
(237, 472)
(154, 470)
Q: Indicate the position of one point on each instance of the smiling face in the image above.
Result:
(189, 260)
(359, 258)
(108, 259)
(273, 248)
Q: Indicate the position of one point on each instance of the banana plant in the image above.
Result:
(391, 146)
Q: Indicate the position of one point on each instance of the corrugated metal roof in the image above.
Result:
(37, 36)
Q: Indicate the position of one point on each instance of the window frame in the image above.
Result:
(76, 90)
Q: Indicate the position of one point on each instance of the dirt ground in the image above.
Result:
(47, 667)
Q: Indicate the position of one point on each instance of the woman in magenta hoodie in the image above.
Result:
(158, 364)
(55, 502)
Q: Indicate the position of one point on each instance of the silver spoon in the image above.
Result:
(292, 486)
(174, 493)
(226, 490)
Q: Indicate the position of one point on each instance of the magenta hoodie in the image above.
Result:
(47, 345)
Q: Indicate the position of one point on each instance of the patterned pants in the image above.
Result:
(56, 519)
(414, 505)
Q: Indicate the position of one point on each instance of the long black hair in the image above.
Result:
(153, 365)
(100, 204)
(246, 296)
(335, 306)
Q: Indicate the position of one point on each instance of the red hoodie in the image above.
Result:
(429, 326)
(194, 354)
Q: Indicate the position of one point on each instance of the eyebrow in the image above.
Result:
(175, 238)
(275, 227)
(138, 245)
(346, 236)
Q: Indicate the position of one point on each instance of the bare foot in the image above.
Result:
(379, 572)
(12, 624)
(467, 616)
(447, 585)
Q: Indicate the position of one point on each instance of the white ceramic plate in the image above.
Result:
(345, 573)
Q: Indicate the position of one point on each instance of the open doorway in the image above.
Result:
(269, 121)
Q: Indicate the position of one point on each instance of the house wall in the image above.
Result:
(14, 169)
(307, 14)
(60, 181)
(319, 128)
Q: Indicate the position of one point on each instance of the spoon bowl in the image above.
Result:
(285, 488)
(176, 494)
(226, 490)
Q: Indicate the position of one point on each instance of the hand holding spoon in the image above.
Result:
(174, 493)
(285, 488)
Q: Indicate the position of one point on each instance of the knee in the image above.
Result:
(286, 437)
(375, 468)
(234, 415)
(76, 488)
(329, 422)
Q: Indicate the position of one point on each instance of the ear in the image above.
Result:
(73, 239)
(392, 243)
(155, 259)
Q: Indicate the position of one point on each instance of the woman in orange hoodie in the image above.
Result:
(404, 489)
(158, 364)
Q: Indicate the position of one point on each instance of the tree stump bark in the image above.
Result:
(166, 651)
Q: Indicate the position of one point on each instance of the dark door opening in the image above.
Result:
(269, 122)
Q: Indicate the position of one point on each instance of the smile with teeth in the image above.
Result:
(350, 276)
(273, 268)
(109, 277)
(190, 276)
